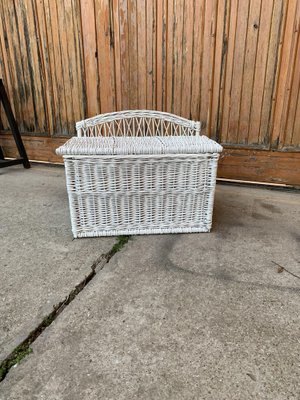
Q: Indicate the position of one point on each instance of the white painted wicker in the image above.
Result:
(120, 183)
(137, 123)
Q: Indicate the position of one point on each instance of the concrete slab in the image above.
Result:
(39, 261)
(201, 316)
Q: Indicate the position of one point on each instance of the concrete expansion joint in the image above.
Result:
(23, 349)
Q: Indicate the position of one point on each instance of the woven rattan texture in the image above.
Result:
(139, 145)
(117, 195)
(140, 172)
(137, 123)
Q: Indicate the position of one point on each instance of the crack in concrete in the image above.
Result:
(23, 349)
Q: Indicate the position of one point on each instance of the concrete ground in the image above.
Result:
(40, 263)
(199, 316)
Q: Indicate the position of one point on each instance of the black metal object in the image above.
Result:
(15, 131)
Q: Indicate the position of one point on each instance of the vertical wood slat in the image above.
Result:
(90, 56)
(124, 45)
(57, 69)
(132, 54)
(79, 59)
(294, 138)
(249, 69)
(154, 55)
(150, 53)
(229, 66)
(117, 54)
(63, 20)
(250, 73)
(73, 82)
(66, 55)
(292, 127)
(293, 98)
(267, 108)
(47, 73)
(217, 61)
(104, 33)
(222, 27)
(208, 61)
(285, 72)
(284, 131)
(212, 45)
(53, 65)
(4, 73)
(13, 77)
(169, 55)
(198, 36)
(238, 70)
(142, 54)
(295, 141)
(260, 73)
(187, 55)
(159, 55)
(24, 65)
(164, 53)
(44, 54)
(178, 33)
(36, 68)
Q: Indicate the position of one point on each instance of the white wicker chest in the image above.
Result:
(140, 172)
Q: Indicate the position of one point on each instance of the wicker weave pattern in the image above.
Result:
(139, 145)
(140, 172)
(137, 123)
(133, 195)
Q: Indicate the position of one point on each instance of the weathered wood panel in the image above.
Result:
(63, 62)
(234, 65)
(90, 56)
(249, 165)
(150, 55)
(42, 55)
(23, 64)
(250, 72)
(286, 133)
(260, 166)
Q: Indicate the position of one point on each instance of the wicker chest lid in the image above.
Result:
(139, 145)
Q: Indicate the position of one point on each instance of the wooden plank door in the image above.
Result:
(233, 64)
(256, 105)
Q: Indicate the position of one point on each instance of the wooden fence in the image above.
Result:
(233, 64)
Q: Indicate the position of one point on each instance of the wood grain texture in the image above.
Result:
(267, 111)
(260, 166)
(169, 77)
(286, 120)
(260, 73)
(105, 55)
(132, 54)
(243, 164)
(187, 58)
(177, 64)
(87, 8)
(222, 27)
(238, 71)
(142, 54)
(228, 70)
(233, 64)
(38, 148)
(11, 52)
(249, 69)
(285, 73)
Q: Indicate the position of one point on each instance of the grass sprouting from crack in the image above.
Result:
(121, 241)
(24, 348)
(14, 358)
